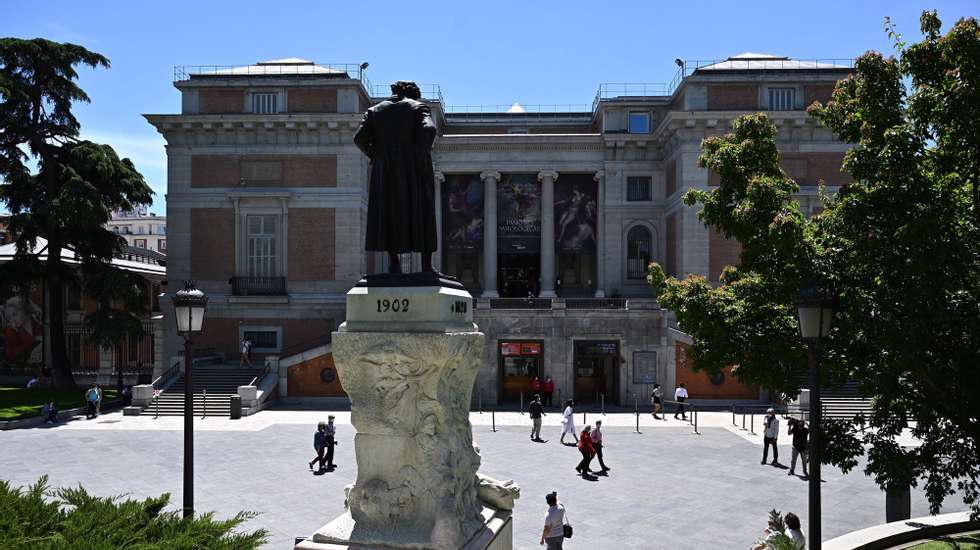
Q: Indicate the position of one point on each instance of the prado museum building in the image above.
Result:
(548, 215)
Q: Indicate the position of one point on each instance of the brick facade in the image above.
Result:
(733, 97)
(721, 252)
(218, 101)
(221, 333)
(821, 93)
(312, 100)
(213, 245)
(312, 248)
(263, 170)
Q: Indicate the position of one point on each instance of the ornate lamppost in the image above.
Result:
(815, 310)
(189, 306)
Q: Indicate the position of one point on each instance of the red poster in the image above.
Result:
(507, 348)
(530, 349)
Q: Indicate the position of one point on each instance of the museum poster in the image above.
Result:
(519, 214)
(575, 214)
(22, 331)
(463, 213)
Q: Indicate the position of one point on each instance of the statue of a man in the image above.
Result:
(397, 136)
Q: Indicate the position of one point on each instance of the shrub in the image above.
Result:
(71, 518)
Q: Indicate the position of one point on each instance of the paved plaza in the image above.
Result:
(668, 488)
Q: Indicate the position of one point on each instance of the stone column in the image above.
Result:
(547, 179)
(437, 256)
(600, 236)
(490, 178)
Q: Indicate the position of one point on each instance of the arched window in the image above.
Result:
(639, 249)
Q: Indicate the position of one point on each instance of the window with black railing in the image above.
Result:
(639, 188)
(639, 246)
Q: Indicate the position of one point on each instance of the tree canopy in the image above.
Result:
(900, 246)
(61, 189)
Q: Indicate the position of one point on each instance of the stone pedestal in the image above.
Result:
(407, 358)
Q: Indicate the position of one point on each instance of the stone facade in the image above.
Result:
(289, 179)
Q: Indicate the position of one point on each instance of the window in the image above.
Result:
(639, 246)
(163, 229)
(638, 188)
(264, 339)
(639, 122)
(265, 103)
(162, 244)
(261, 243)
(139, 243)
(782, 99)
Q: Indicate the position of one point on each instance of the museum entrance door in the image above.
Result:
(518, 274)
(596, 371)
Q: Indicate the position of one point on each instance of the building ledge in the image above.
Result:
(258, 299)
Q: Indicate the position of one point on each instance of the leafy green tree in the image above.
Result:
(900, 246)
(56, 187)
(71, 518)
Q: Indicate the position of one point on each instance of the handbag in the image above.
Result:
(566, 528)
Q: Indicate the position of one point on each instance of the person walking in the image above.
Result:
(536, 411)
(98, 403)
(331, 441)
(554, 523)
(657, 401)
(587, 449)
(319, 444)
(799, 431)
(548, 387)
(568, 422)
(597, 444)
(246, 356)
(769, 437)
(91, 400)
(680, 395)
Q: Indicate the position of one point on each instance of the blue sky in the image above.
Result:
(535, 52)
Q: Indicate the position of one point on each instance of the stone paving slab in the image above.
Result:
(668, 488)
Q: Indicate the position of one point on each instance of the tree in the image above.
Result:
(900, 246)
(56, 187)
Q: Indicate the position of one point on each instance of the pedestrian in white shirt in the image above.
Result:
(568, 423)
(769, 437)
(680, 395)
(554, 523)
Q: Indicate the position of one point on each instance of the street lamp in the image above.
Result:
(814, 312)
(189, 306)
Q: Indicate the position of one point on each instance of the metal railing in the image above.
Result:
(167, 375)
(596, 303)
(752, 411)
(431, 92)
(520, 303)
(684, 407)
(521, 109)
(258, 286)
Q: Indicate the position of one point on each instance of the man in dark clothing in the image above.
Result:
(536, 411)
(799, 431)
(319, 444)
(397, 135)
(330, 432)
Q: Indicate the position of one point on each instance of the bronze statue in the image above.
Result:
(397, 136)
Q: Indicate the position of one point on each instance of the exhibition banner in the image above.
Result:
(519, 214)
(463, 223)
(575, 214)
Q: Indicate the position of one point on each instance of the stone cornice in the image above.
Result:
(248, 121)
(519, 142)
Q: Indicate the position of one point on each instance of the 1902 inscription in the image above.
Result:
(459, 307)
(396, 305)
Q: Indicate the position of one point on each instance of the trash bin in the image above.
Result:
(236, 407)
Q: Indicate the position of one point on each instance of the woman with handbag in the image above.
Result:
(556, 528)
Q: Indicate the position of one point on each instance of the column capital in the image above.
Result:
(599, 176)
(486, 174)
(439, 176)
(553, 174)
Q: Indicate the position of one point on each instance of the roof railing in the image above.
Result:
(432, 92)
(519, 109)
(337, 70)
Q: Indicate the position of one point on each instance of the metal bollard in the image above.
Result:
(480, 399)
(752, 428)
(205, 403)
(157, 399)
(743, 420)
(603, 404)
(522, 402)
(493, 419)
(696, 421)
(583, 418)
(637, 421)
(733, 417)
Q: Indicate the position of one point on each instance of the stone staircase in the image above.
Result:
(220, 381)
(844, 403)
